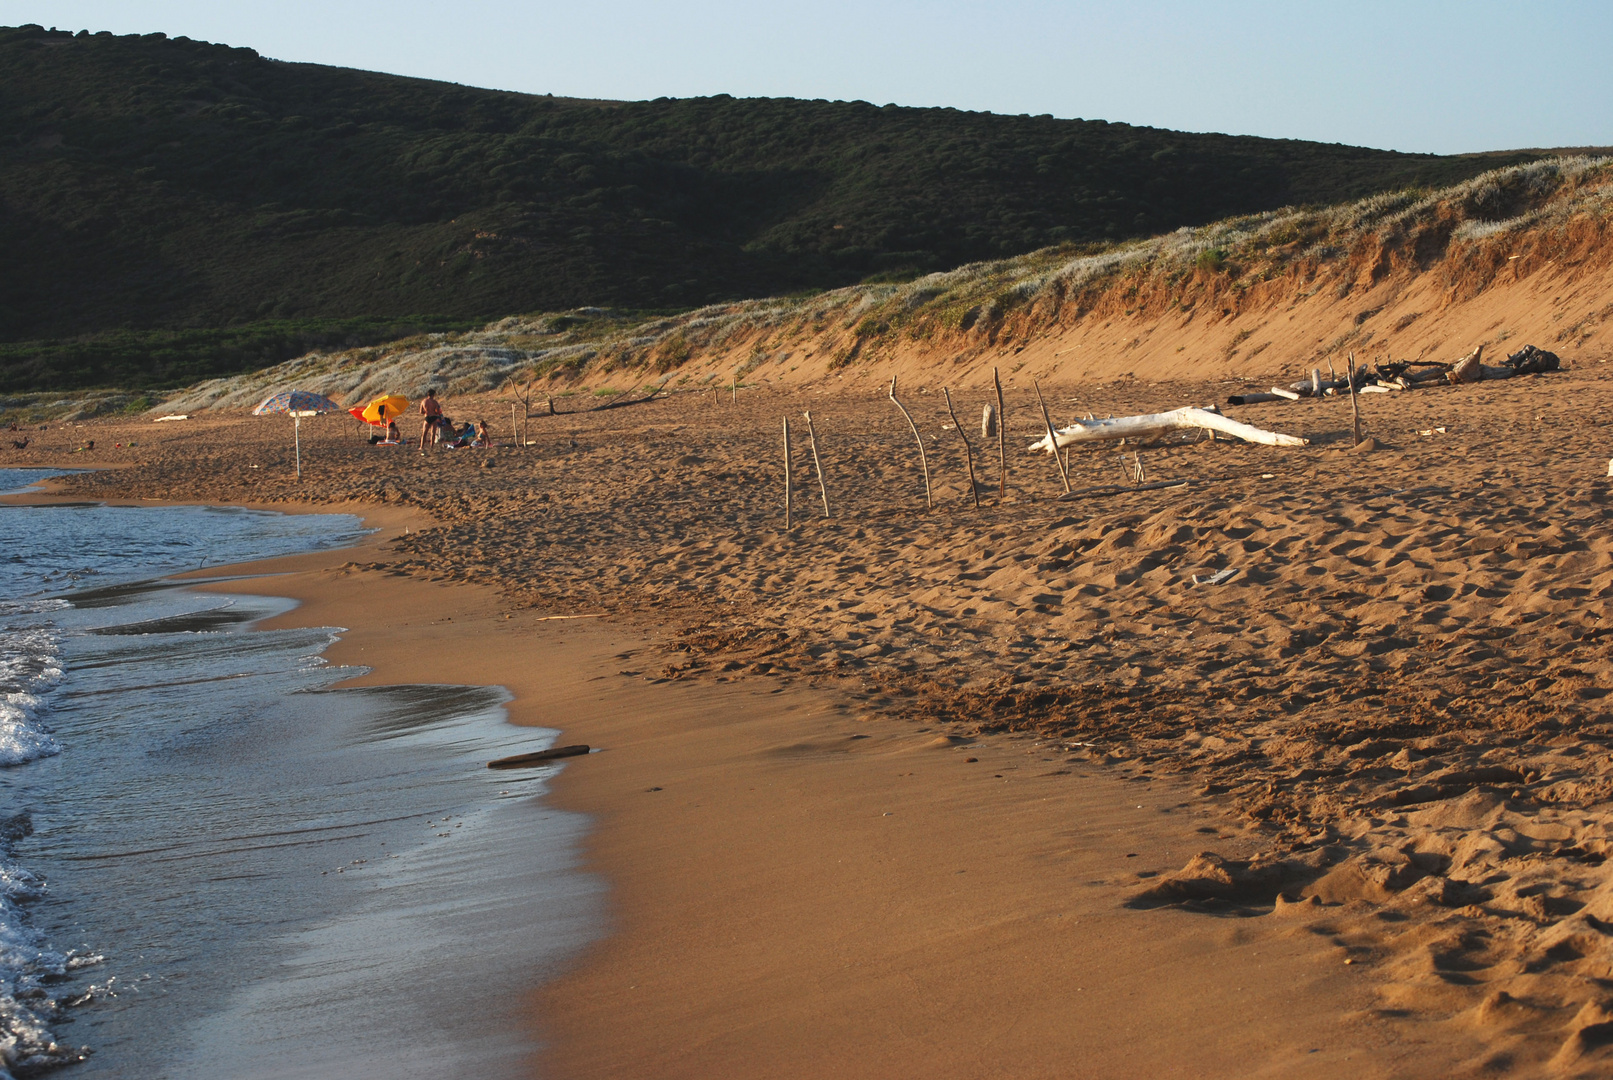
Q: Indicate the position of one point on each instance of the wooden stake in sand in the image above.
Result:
(968, 453)
(812, 440)
(1002, 446)
(786, 474)
(923, 461)
(1355, 402)
(1052, 437)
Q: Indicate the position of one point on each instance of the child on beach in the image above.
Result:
(392, 437)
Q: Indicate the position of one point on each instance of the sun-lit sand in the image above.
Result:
(925, 793)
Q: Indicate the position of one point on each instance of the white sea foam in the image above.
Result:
(30, 665)
(26, 1006)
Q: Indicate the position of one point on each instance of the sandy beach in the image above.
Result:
(799, 889)
(1344, 812)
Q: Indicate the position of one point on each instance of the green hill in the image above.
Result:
(171, 208)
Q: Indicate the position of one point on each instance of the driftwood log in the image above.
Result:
(539, 757)
(1137, 427)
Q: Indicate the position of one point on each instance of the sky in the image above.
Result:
(1415, 76)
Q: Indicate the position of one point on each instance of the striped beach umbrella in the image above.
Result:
(296, 401)
(298, 404)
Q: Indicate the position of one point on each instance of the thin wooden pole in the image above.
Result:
(923, 461)
(968, 453)
(1052, 438)
(515, 429)
(1355, 402)
(1002, 446)
(812, 438)
(786, 474)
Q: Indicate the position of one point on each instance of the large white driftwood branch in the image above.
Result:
(1137, 427)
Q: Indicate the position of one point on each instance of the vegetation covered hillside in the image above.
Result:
(149, 186)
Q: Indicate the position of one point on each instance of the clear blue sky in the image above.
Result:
(1444, 77)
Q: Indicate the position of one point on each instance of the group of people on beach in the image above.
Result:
(436, 427)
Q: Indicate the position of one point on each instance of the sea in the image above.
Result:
(215, 864)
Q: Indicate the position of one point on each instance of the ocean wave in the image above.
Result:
(30, 665)
(27, 969)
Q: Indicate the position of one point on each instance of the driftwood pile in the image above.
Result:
(1392, 375)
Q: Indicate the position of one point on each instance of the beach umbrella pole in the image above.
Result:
(296, 437)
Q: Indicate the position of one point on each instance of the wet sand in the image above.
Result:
(797, 891)
(1393, 715)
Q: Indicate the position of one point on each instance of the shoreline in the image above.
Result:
(789, 883)
(1410, 781)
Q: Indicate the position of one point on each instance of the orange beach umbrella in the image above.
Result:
(382, 410)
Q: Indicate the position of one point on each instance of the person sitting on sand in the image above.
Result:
(458, 440)
(392, 437)
(431, 416)
(19, 444)
(483, 436)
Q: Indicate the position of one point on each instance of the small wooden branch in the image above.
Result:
(1135, 427)
(1052, 438)
(1355, 402)
(823, 489)
(786, 474)
(923, 461)
(968, 452)
(1002, 446)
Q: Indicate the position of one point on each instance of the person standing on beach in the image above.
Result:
(431, 413)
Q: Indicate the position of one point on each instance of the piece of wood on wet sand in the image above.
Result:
(538, 757)
(924, 462)
(1133, 427)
